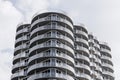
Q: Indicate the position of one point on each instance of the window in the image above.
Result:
(58, 52)
(48, 43)
(58, 71)
(48, 34)
(76, 62)
(58, 61)
(47, 53)
(53, 24)
(58, 43)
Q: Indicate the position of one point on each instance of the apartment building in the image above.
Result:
(51, 47)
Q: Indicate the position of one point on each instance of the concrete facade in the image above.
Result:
(51, 47)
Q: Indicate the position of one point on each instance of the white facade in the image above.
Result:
(53, 48)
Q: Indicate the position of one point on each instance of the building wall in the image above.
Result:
(53, 48)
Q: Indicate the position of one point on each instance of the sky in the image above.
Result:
(101, 17)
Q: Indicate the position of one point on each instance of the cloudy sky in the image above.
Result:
(101, 17)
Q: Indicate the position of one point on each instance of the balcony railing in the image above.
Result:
(51, 64)
(43, 45)
(51, 54)
(50, 75)
(52, 36)
(52, 19)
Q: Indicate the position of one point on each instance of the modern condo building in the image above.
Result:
(51, 47)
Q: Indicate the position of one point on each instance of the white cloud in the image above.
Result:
(5, 65)
(30, 7)
(9, 18)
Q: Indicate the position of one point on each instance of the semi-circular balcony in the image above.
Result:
(20, 47)
(81, 40)
(42, 55)
(17, 75)
(105, 50)
(52, 36)
(106, 58)
(83, 76)
(81, 33)
(58, 76)
(107, 65)
(17, 65)
(58, 27)
(83, 66)
(51, 11)
(51, 64)
(52, 45)
(23, 38)
(104, 44)
(24, 30)
(108, 73)
(51, 19)
(20, 55)
(81, 48)
(83, 57)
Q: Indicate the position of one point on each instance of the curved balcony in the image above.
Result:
(83, 57)
(20, 64)
(52, 36)
(107, 65)
(51, 64)
(17, 75)
(82, 40)
(22, 31)
(52, 45)
(23, 38)
(51, 75)
(52, 19)
(52, 11)
(20, 47)
(81, 48)
(81, 32)
(41, 55)
(20, 55)
(106, 58)
(83, 66)
(108, 79)
(108, 73)
(52, 27)
(104, 44)
(83, 76)
(105, 50)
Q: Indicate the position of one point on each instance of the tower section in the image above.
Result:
(95, 58)
(82, 61)
(19, 69)
(107, 65)
(51, 54)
